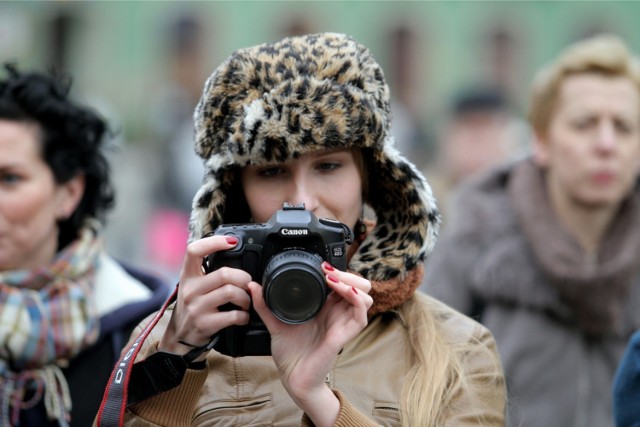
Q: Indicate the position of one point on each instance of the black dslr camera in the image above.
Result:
(284, 255)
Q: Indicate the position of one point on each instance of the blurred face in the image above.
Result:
(474, 143)
(30, 200)
(592, 147)
(328, 183)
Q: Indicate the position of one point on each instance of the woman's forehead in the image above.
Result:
(581, 90)
(305, 156)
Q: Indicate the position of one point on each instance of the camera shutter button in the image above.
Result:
(238, 246)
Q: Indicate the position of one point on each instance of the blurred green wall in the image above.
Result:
(115, 48)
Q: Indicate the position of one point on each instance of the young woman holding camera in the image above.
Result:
(306, 120)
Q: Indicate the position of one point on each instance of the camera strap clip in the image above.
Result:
(196, 351)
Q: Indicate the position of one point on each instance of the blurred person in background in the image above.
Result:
(66, 307)
(626, 386)
(179, 168)
(306, 120)
(481, 130)
(172, 111)
(405, 46)
(546, 251)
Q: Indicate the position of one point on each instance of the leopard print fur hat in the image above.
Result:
(274, 102)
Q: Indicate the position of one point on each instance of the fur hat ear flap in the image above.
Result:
(407, 217)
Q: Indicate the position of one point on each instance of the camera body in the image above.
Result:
(285, 256)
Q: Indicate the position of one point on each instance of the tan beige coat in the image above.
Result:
(367, 377)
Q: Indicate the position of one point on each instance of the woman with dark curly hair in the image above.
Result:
(66, 308)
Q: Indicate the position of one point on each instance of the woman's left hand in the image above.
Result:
(305, 353)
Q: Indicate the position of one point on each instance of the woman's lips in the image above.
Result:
(603, 177)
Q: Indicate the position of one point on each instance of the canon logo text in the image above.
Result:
(294, 231)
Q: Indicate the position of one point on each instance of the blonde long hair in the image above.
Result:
(436, 374)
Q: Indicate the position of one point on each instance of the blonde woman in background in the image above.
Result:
(546, 251)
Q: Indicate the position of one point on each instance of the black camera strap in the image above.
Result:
(131, 383)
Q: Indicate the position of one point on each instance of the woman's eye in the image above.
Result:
(329, 166)
(9, 178)
(623, 127)
(583, 124)
(270, 172)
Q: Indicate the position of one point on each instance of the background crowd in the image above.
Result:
(143, 64)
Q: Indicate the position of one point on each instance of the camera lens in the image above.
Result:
(293, 286)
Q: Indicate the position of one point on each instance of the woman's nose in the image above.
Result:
(305, 192)
(606, 137)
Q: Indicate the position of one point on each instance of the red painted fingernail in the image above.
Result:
(355, 291)
(328, 266)
(232, 240)
(332, 278)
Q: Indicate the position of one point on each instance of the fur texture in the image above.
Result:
(274, 102)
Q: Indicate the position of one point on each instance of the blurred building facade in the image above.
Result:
(123, 62)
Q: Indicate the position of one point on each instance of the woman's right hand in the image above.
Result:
(196, 316)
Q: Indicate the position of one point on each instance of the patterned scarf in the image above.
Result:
(47, 316)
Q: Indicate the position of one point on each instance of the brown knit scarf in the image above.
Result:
(595, 289)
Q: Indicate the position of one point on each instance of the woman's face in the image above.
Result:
(592, 147)
(328, 183)
(30, 200)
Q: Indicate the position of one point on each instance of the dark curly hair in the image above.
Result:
(72, 139)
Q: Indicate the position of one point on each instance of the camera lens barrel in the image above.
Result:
(293, 285)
